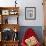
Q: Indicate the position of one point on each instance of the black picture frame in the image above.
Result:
(30, 13)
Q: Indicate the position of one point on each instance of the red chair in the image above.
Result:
(29, 33)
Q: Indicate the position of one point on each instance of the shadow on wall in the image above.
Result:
(37, 29)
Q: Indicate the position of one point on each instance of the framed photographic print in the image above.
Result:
(5, 12)
(30, 13)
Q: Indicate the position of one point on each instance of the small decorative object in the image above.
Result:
(5, 12)
(15, 3)
(30, 13)
(15, 36)
(15, 30)
(13, 12)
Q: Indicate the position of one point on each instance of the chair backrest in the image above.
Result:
(28, 34)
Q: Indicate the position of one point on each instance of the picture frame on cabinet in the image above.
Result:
(5, 12)
(30, 13)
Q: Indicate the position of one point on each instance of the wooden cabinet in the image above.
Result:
(6, 26)
(6, 12)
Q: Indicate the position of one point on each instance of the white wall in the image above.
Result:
(27, 3)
